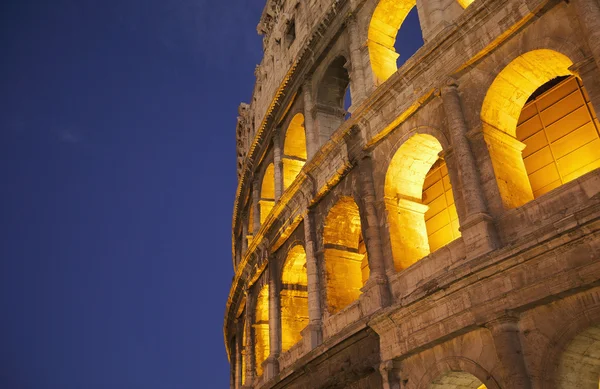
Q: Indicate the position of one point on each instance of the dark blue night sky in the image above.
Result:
(117, 122)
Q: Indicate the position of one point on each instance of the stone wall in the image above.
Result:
(513, 301)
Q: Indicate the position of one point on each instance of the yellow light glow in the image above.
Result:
(465, 3)
(500, 113)
(407, 183)
(261, 329)
(383, 28)
(561, 136)
(344, 264)
(295, 138)
(267, 193)
(243, 356)
(294, 150)
(516, 82)
(294, 297)
(441, 219)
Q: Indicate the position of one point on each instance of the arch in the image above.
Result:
(586, 317)
(346, 262)
(267, 192)
(419, 201)
(330, 97)
(386, 20)
(579, 365)
(457, 380)
(294, 297)
(261, 328)
(516, 82)
(294, 149)
(457, 373)
(503, 109)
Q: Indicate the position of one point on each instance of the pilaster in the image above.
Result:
(249, 381)
(256, 206)
(588, 12)
(309, 122)
(278, 164)
(477, 227)
(313, 331)
(505, 332)
(271, 366)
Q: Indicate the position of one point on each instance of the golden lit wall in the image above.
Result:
(294, 297)
(560, 131)
(267, 193)
(344, 263)
(294, 150)
(441, 218)
(383, 28)
(404, 184)
(500, 113)
(261, 328)
(243, 355)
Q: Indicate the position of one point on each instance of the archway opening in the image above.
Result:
(346, 261)
(579, 366)
(561, 134)
(331, 92)
(504, 108)
(422, 216)
(261, 328)
(294, 150)
(267, 193)
(457, 380)
(388, 17)
(409, 38)
(294, 297)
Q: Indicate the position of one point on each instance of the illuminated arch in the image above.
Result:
(504, 109)
(346, 262)
(261, 328)
(294, 149)
(383, 28)
(419, 201)
(579, 365)
(457, 380)
(267, 192)
(294, 297)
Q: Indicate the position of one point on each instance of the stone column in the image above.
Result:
(309, 123)
(588, 13)
(357, 78)
(244, 237)
(477, 228)
(313, 331)
(239, 344)
(505, 331)
(256, 206)
(589, 73)
(249, 340)
(388, 377)
(370, 224)
(278, 165)
(272, 362)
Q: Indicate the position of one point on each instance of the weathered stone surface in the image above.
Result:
(334, 209)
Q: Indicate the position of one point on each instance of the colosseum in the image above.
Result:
(430, 222)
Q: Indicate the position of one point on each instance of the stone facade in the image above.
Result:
(442, 231)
